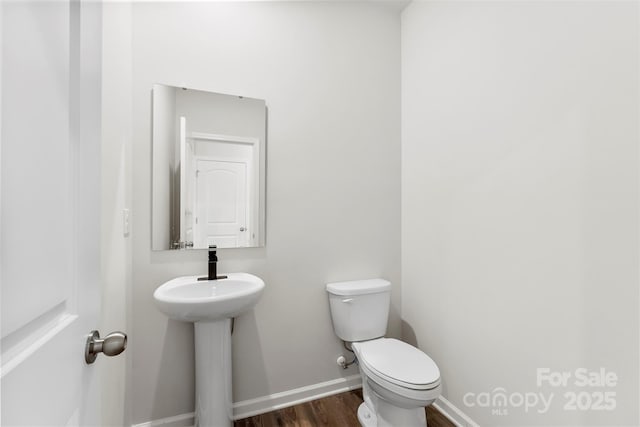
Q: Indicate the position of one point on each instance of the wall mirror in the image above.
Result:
(208, 169)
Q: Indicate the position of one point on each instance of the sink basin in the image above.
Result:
(192, 300)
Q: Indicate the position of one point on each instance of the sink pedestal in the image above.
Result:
(214, 404)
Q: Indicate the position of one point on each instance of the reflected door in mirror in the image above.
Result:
(221, 204)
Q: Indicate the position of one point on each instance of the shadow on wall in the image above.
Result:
(408, 334)
(178, 340)
(394, 327)
(247, 356)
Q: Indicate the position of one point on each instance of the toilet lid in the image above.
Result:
(399, 363)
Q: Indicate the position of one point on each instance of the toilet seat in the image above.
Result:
(388, 360)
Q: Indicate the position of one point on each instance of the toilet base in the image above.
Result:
(377, 412)
(366, 417)
(390, 415)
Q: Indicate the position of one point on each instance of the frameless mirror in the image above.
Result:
(208, 169)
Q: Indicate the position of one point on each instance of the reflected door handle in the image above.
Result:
(111, 345)
(242, 229)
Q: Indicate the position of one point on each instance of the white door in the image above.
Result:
(50, 207)
(221, 203)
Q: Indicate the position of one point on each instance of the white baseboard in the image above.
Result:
(272, 402)
(183, 420)
(455, 415)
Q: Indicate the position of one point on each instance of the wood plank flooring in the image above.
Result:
(334, 411)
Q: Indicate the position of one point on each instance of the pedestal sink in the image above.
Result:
(210, 305)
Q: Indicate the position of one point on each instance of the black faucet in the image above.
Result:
(213, 261)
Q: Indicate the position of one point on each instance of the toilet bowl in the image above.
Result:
(398, 380)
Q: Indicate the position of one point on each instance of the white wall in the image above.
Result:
(329, 73)
(520, 198)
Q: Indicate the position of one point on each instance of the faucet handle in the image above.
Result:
(212, 254)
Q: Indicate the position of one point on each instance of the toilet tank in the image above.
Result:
(360, 308)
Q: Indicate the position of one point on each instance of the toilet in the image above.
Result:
(398, 380)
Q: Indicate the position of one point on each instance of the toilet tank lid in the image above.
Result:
(359, 287)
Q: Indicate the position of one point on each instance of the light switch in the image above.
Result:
(125, 222)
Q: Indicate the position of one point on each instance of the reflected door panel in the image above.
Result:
(221, 204)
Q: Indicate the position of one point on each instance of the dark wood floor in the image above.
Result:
(334, 411)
